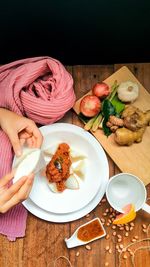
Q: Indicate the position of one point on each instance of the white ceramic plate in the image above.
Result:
(96, 170)
(63, 218)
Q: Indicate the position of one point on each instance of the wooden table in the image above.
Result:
(44, 241)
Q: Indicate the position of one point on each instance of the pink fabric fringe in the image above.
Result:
(42, 90)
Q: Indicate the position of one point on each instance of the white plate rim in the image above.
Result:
(64, 218)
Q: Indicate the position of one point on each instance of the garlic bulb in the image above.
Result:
(128, 91)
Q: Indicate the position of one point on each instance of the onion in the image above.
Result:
(80, 169)
(90, 106)
(53, 187)
(72, 182)
(101, 90)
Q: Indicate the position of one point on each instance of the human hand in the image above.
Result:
(20, 130)
(16, 193)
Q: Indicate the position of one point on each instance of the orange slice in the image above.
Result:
(128, 215)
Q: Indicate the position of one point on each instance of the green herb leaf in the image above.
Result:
(108, 109)
(106, 129)
(119, 106)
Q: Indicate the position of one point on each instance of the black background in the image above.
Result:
(76, 32)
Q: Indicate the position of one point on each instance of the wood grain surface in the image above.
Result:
(44, 241)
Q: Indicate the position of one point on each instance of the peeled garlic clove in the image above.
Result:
(53, 187)
(31, 163)
(79, 169)
(76, 155)
(72, 182)
(25, 152)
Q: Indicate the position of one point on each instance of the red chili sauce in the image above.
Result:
(90, 231)
(58, 169)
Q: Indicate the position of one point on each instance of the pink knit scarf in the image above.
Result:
(42, 90)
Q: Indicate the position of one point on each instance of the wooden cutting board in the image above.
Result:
(134, 159)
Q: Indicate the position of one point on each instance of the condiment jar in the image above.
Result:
(86, 233)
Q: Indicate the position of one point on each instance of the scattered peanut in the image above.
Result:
(107, 237)
(126, 234)
(102, 220)
(114, 227)
(121, 245)
(133, 240)
(127, 228)
(87, 215)
(77, 254)
(131, 228)
(103, 200)
(144, 230)
(104, 214)
(119, 236)
(136, 237)
(106, 264)
(114, 233)
(107, 248)
(107, 210)
(119, 240)
(110, 251)
(88, 247)
(132, 224)
(125, 257)
(144, 226)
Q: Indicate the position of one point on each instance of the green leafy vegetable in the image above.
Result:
(108, 109)
(119, 106)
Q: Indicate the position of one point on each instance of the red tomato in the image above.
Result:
(90, 105)
(101, 90)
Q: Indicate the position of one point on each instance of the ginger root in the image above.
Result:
(134, 118)
(114, 123)
(135, 122)
(124, 136)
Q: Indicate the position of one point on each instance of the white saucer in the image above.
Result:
(63, 218)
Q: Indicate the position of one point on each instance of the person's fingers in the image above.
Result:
(24, 135)
(14, 139)
(26, 188)
(22, 141)
(30, 142)
(20, 196)
(37, 135)
(7, 178)
(12, 190)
